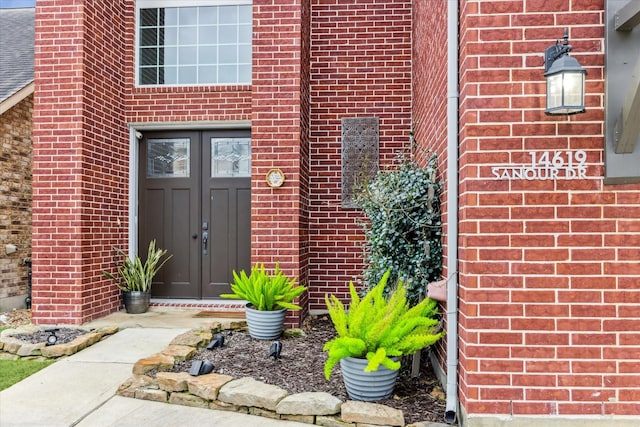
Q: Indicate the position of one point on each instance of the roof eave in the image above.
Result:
(16, 97)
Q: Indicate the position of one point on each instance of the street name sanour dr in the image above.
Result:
(546, 165)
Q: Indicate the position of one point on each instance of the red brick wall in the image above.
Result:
(173, 105)
(278, 123)
(16, 127)
(549, 314)
(430, 101)
(360, 67)
(86, 95)
(80, 159)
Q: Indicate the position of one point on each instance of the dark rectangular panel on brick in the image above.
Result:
(360, 137)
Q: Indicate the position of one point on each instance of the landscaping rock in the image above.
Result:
(180, 352)
(8, 356)
(86, 340)
(133, 383)
(240, 324)
(157, 361)
(55, 351)
(187, 399)
(193, 338)
(249, 392)
(107, 330)
(371, 413)
(328, 421)
(11, 345)
(207, 386)
(307, 419)
(309, 403)
(172, 381)
(222, 406)
(260, 412)
(78, 343)
(151, 394)
(30, 349)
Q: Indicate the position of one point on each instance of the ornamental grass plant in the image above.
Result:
(265, 291)
(378, 328)
(134, 275)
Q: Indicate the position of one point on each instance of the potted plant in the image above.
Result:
(134, 277)
(269, 296)
(372, 336)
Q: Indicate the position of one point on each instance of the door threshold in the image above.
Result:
(236, 305)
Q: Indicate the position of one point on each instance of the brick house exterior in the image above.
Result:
(16, 111)
(548, 272)
(15, 201)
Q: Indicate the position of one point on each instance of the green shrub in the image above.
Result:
(266, 292)
(379, 328)
(403, 232)
(133, 275)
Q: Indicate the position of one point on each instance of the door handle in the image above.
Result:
(205, 240)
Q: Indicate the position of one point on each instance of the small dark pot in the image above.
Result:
(136, 302)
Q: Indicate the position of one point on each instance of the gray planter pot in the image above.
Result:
(265, 325)
(136, 302)
(367, 386)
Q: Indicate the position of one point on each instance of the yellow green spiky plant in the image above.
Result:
(379, 328)
(265, 291)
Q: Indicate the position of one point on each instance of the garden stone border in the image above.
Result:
(245, 395)
(13, 349)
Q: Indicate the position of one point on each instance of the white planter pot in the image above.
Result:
(367, 386)
(265, 325)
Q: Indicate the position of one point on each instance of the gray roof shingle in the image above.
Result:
(16, 50)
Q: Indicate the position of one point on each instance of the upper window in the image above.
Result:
(208, 44)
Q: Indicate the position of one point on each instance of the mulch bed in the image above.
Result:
(64, 335)
(16, 318)
(300, 369)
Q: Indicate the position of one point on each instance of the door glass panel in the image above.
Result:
(230, 157)
(168, 158)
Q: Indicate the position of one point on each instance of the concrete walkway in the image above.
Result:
(80, 391)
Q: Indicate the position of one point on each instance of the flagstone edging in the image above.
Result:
(245, 395)
(13, 348)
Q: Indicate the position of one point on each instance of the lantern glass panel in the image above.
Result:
(554, 91)
(573, 89)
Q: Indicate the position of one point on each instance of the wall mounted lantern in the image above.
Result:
(565, 79)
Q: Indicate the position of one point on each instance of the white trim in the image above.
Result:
(188, 3)
(223, 124)
(505, 420)
(16, 97)
(144, 4)
(134, 156)
(134, 153)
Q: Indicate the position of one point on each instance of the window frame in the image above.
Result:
(146, 4)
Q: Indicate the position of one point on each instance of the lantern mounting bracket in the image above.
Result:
(562, 47)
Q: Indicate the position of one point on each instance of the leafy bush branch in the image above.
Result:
(403, 231)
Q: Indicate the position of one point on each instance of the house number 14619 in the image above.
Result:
(546, 165)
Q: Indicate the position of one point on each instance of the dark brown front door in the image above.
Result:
(194, 199)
